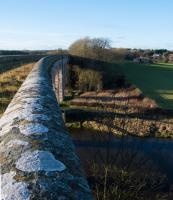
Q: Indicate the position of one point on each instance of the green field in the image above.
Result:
(154, 80)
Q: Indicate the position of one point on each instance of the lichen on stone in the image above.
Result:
(39, 161)
(33, 128)
(12, 190)
(16, 142)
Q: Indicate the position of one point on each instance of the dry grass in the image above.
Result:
(10, 82)
(130, 99)
(138, 114)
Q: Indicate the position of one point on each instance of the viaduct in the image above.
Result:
(37, 156)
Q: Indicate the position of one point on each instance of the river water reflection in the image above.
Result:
(159, 151)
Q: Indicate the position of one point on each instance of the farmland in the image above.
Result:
(154, 80)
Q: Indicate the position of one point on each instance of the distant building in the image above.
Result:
(142, 60)
(170, 58)
(157, 56)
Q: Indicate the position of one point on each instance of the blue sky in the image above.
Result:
(52, 24)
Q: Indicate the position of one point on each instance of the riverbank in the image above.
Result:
(145, 163)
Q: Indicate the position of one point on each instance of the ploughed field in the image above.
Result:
(154, 80)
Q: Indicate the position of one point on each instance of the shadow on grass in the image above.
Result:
(154, 80)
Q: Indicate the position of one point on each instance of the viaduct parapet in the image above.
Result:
(37, 156)
(59, 71)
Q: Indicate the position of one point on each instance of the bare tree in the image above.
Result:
(96, 48)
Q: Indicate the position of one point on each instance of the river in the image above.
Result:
(160, 151)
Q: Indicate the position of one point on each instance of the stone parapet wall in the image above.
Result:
(59, 77)
(37, 155)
